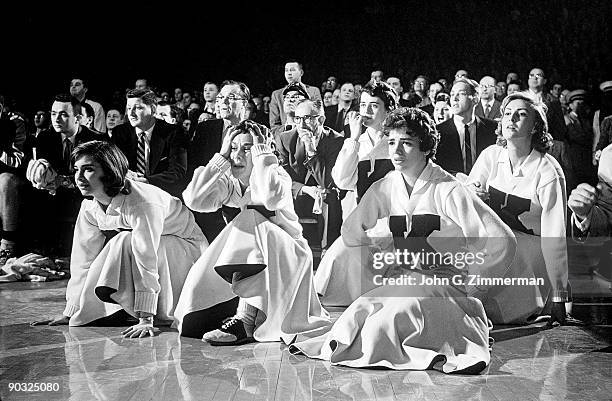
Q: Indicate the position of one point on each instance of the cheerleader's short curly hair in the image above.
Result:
(417, 121)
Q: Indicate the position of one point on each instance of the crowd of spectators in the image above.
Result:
(563, 39)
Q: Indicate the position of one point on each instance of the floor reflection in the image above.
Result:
(528, 363)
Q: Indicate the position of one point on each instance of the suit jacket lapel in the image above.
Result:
(479, 109)
(133, 138)
(456, 144)
(155, 147)
(299, 154)
(479, 136)
(495, 112)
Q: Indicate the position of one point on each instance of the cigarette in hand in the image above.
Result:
(34, 153)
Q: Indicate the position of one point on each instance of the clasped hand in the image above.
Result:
(42, 175)
(308, 141)
(582, 199)
(313, 191)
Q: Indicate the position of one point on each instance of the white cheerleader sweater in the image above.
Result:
(213, 186)
(441, 211)
(148, 212)
(530, 199)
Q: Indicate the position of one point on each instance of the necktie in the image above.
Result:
(67, 152)
(487, 110)
(467, 141)
(141, 164)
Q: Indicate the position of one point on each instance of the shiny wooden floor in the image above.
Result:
(96, 363)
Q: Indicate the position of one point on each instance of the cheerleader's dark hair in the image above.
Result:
(113, 162)
(384, 92)
(250, 126)
(541, 139)
(417, 121)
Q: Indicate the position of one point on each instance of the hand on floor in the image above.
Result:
(140, 330)
(57, 321)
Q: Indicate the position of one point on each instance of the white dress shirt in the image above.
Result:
(460, 125)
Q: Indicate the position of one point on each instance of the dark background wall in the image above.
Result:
(44, 46)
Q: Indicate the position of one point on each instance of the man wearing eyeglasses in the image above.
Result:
(464, 136)
(488, 107)
(310, 151)
(293, 75)
(292, 94)
(231, 104)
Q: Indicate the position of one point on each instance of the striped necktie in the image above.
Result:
(141, 161)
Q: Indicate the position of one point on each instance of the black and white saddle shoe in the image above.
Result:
(232, 332)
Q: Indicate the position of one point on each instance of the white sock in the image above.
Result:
(246, 313)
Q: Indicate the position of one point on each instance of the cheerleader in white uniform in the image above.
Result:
(260, 257)
(363, 160)
(525, 186)
(153, 243)
(407, 323)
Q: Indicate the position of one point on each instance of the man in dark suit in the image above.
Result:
(335, 115)
(207, 139)
(156, 150)
(464, 136)
(50, 170)
(556, 124)
(293, 74)
(488, 106)
(310, 151)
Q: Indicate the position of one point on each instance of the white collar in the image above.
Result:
(459, 124)
(148, 132)
(70, 138)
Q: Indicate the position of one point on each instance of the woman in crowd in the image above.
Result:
(363, 159)
(442, 108)
(525, 186)
(260, 257)
(415, 322)
(133, 245)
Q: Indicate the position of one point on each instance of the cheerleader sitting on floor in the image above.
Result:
(260, 257)
(429, 313)
(133, 245)
(525, 186)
